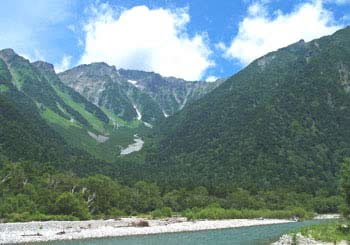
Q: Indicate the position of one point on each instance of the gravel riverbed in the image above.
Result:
(67, 230)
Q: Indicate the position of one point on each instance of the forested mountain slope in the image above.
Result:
(44, 120)
(25, 135)
(282, 122)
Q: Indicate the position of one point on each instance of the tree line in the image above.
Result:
(34, 191)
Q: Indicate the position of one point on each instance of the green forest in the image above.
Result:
(34, 191)
(268, 142)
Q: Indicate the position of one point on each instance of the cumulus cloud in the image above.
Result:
(259, 33)
(146, 39)
(65, 63)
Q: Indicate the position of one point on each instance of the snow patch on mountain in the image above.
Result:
(177, 98)
(185, 100)
(139, 115)
(165, 114)
(148, 124)
(136, 146)
(133, 82)
(99, 138)
(136, 84)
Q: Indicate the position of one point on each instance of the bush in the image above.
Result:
(323, 205)
(68, 204)
(26, 217)
(213, 212)
(16, 204)
(161, 213)
(343, 228)
(116, 213)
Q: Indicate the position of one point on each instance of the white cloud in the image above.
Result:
(146, 39)
(259, 34)
(211, 79)
(65, 63)
(25, 25)
(71, 27)
(220, 46)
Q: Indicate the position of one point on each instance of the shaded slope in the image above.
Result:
(25, 135)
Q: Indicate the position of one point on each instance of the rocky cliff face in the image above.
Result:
(131, 94)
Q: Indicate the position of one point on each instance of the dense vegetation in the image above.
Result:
(47, 70)
(33, 191)
(282, 122)
(25, 135)
(48, 111)
(339, 230)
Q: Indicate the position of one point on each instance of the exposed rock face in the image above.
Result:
(89, 81)
(122, 91)
(171, 93)
(44, 66)
(7, 54)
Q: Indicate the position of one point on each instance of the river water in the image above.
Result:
(245, 235)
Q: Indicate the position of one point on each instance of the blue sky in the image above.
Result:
(191, 39)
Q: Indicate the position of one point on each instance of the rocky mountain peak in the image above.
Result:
(44, 66)
(9, 54)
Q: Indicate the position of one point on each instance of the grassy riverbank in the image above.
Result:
(333, 231)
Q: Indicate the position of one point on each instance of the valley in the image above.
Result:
(105, 118)
(97, 142)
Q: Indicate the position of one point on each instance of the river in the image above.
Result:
(245, 235)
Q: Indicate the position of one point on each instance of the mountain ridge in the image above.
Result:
(163, 95)
(102, 129)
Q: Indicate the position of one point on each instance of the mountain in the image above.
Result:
(282, 122)
(23, 133)
(28, 103)
(33, 92)
(131, 94)
(170, 93)
(111, 113)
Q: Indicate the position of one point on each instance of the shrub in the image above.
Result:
(114, 212)
(68, 204)
(213, 212)
(26, 216)
(161, 213)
